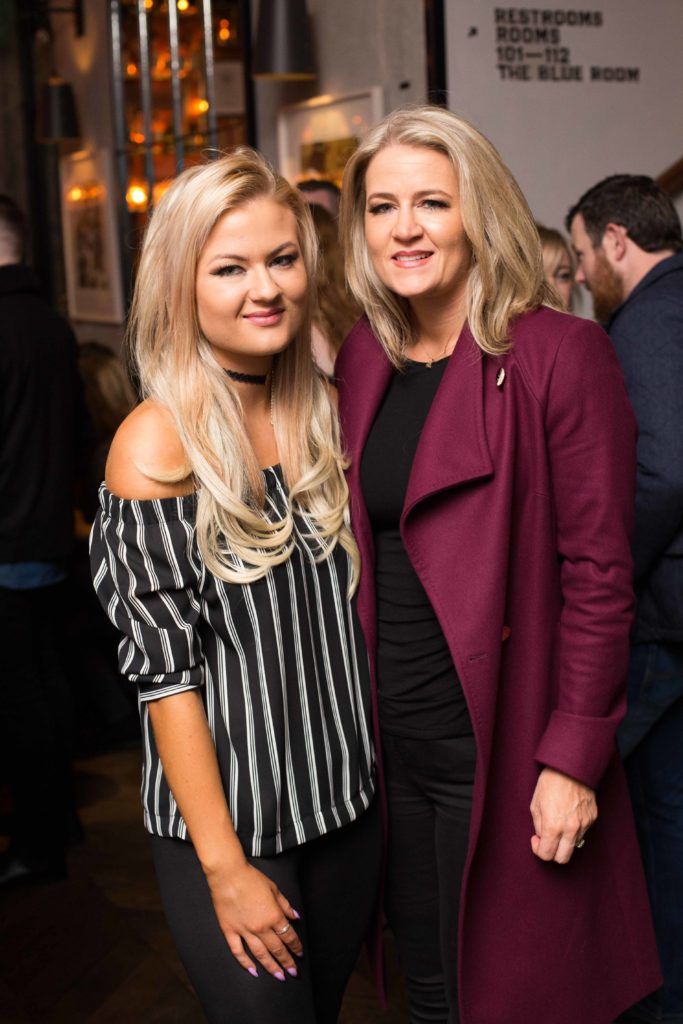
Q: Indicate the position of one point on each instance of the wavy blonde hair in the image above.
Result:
(176, 367)
(506, 278)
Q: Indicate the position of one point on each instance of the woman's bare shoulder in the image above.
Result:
(146, 458)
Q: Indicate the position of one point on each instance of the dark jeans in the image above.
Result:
(651, 743)
(332, 882)
(36, 717)
(429, 792)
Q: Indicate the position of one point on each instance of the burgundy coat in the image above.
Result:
(518, 514)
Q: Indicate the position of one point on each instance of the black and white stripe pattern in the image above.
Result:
(281, 663)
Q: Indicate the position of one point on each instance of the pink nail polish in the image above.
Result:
(297, 915)
(279, 975)
(253, 972)
(292, 971)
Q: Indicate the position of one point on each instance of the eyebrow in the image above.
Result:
(416, 195)
(245, 259)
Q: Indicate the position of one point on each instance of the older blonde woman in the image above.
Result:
(223, 554)
(492, 457)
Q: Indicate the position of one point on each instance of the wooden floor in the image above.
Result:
(94, 948)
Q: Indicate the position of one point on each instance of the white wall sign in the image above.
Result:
(569, 95)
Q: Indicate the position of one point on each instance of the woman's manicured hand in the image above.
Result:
(253, 914)
(563, 810)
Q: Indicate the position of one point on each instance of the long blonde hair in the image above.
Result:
(176, 367)
(506, 278)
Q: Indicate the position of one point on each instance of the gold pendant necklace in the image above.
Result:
(432, 359)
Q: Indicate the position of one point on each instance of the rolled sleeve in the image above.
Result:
(147, 576)
(591, 436)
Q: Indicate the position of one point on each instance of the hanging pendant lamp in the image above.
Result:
(284, 46)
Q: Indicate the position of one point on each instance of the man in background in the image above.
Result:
(40, 415)
(627, 239)
(320, 192)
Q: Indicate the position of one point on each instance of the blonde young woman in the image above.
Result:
(492, 454)
(558, 265)
(223, 554)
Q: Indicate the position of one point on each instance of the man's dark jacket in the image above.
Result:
(41, 422)
(647, 331)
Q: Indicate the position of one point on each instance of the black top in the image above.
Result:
(418, 688)
(42, 423)
(281, 664)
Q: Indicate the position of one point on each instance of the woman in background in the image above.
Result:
(558, 265)
(336, 311)
(109, 397)
(223, 554)
(106, 706)
(492, 452)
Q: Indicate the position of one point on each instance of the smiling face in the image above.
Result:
(413, 226)
(251, 285)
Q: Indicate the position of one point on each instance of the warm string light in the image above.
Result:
(197, 107)
(224, 32)
(137, 196)
(82, 193)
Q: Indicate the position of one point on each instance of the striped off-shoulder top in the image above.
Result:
(281, 665)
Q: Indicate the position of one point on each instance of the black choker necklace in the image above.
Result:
(247, 378)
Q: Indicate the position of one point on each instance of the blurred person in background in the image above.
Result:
(320, 192)
(627, 239)
(558, 264)
(222, 553)
(109, 397)
(492, 466)
(41, 431)
(336, 311)
(106, 707)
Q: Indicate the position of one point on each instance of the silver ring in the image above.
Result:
(580, 843)
(282, 931)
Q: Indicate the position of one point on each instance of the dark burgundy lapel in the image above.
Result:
(453, 448)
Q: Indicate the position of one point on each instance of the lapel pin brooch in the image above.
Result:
(500, 378)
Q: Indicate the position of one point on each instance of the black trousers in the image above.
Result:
(429, 791)
(332, 882)
(36, 720)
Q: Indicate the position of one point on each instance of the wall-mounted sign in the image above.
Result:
(568, 94)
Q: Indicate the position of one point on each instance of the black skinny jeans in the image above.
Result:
(332, 882)
(429, 791)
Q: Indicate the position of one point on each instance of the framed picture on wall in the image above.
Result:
(93, 275)
(317, 137)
